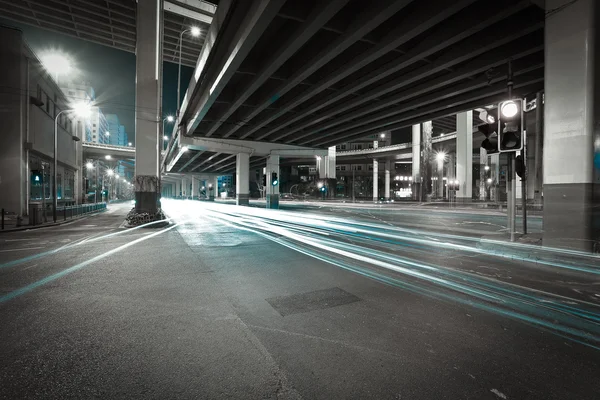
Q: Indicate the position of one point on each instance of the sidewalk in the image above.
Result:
(10, 221)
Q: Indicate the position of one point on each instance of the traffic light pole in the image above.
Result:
(511, 187)
(524, 182)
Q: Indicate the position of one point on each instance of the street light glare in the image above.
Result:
(107, 133)
(117, 176)
(110, 172)
(108, 157)
(195, 31)
(165, 137)
(89, 165)
(440, 156)
(170, 118)
(56, 63)
(82, 109)
(185, 148)
(129, 144)
(509, 109)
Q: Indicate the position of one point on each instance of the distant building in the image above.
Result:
(85, 93)
(118, 136)
(29, 111)
(99, 127)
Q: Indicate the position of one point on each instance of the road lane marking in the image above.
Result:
(23, 248)
(41, 282)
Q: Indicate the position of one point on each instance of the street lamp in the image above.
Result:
(195, 31)
(108, 157)
(129, 144)
(56, 64)
(82, 110)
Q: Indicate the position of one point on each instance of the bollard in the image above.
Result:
(64, 213)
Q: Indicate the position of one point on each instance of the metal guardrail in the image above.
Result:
(36, 212)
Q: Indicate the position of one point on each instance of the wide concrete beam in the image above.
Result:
(206, 14)
(231, 146)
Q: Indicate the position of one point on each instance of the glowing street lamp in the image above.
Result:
(110, 172)
(82, 110)
(56, 64)
(89, 165)
(108, 157)
(195, 31)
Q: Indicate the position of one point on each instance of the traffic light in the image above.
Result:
(510, 125)
(520, 166)
(274, 180)
(36, 177)
(489, 130)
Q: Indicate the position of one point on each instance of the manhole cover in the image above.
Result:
(311, 301)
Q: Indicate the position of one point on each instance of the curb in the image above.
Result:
(48, 225)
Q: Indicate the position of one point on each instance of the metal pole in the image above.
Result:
(55, 173)
(179, 73)
(539, 113)
(524, 182)
(511, 179)
(2, 211)
(97, 181)
(353, 198)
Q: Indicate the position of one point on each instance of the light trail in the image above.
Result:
(78, 243)
(28, 288)
(369, 250)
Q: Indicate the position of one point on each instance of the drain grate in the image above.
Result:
(311, 301)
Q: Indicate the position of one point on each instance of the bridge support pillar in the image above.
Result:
(416, 162)
(440, 178)
(194, 193)
(216, 186)
(272, 191)
(387, 180)
(571, 167)
(148, 104)
(178, 188)
(464, 156)
(185, 188)
(242, 179)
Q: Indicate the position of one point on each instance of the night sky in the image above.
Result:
(109, 71)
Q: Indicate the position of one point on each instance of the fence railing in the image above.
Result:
(38, 215)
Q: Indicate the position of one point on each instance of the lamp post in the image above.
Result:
(82, 110)
(195, 31)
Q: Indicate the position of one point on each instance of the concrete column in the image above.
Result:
(464, 156)
(483, 162)
(571, 160)
(375, 180)
(272, 191)
(318, 167)
(148, 99)
(450, 174)
(185, 187)
(440, 177)
(212, 190)
(194, 193)
(178, 188)
(426, 159)
(416, 161)
(329, 164)
(242, 179)
(387, 180)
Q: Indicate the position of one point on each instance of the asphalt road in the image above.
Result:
(319, 303)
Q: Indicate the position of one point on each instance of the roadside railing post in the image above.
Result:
(64, 213)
